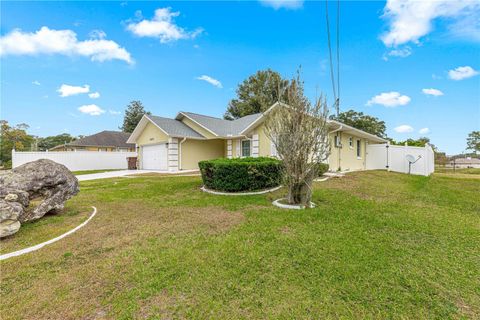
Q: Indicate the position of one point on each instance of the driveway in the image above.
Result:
(123, 173)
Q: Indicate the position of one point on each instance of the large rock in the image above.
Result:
(31, 190)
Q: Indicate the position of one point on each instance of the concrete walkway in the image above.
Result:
(123, 173)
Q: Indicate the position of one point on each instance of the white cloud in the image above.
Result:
(94, 95)
(286, 4)
(97, 34)
(210, 80)
(399, 53)
(432, 92)
(113, 112)
(404, 128)
(424, 131)
(36, 82)
(91, 109)
(461, 73)
(389, 99)
(65, 42)
(410, 20)
(66, 90)
(162, 27)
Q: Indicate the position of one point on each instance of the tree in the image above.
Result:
(133, 114)
(420, 142)
(15, 137)
(362, 121)
(473, 141)
(298, 129)
(53, 141)
(255, 94)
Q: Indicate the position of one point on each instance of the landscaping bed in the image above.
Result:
(378, 245)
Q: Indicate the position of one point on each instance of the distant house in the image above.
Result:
(103, 141)
(467, 162)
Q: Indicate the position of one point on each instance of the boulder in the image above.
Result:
(31, 190)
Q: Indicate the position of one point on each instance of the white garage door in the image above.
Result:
(154, 157)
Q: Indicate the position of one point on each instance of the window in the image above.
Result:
(359, 149)
(245, 148)
(338, 142)
(350, 142)
(102, 149)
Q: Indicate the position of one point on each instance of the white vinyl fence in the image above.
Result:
(77, 160)
(394, 158)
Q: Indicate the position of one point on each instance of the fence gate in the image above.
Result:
(394, 158)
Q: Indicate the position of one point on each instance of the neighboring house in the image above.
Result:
(180, 143)
(467, 162)
(102, 141)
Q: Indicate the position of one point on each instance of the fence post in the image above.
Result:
(388, 155)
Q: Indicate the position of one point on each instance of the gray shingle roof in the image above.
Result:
(105, 139)
(174, 127)
(223, 127)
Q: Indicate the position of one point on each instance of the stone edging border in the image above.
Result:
(290, 206)
(41, 245)
(238, 193)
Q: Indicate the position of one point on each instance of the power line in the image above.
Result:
(335, 87)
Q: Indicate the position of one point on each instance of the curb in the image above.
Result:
(290, 206)
(43, 244)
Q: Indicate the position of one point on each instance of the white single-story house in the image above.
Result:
(180, 143)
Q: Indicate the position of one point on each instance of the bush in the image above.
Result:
(241, 174)
(321, 169)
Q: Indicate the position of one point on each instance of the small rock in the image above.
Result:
(9, 227)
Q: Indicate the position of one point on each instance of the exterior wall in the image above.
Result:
(264, 144)
(150, 135)
(192, 151)
(207, 134)
(345, 158)
(348, 156)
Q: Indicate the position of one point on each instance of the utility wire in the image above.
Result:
(335, 87)
(338, 57)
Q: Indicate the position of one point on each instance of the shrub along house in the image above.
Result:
(180, 143)
(108, 141)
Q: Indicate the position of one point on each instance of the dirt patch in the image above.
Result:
(161, 306)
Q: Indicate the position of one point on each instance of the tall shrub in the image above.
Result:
(241, 174)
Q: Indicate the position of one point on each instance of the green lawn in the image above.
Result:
(81, 172)
(378, 245)
(443, 169)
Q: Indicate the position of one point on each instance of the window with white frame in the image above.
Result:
(359, 149)
(245, 148)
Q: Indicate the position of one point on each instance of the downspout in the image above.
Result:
(180, 153)
(339, 149)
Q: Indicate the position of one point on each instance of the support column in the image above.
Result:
(239, 145)
(229, 149)
(255, 145)
(172, 154)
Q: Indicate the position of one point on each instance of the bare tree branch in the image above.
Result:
(298, 130)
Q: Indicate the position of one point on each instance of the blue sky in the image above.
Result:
(414, 65)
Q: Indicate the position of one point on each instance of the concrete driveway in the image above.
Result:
(123, 173)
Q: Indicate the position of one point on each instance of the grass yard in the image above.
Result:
(443, 169)
(378, 245)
